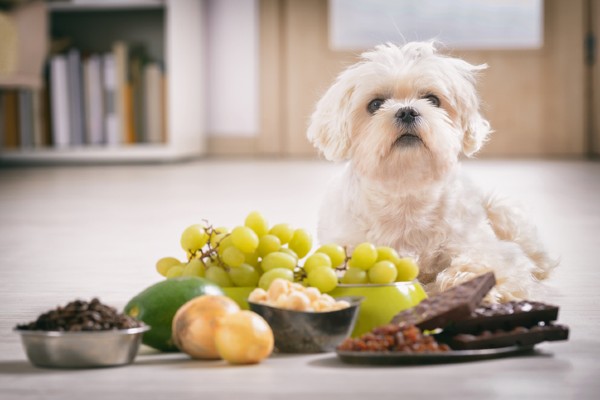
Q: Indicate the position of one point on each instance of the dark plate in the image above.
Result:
(400, 358)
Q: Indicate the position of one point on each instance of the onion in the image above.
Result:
(195, 324)
(244, 337)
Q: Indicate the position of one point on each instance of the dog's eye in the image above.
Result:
(374, 105)
(433, 99)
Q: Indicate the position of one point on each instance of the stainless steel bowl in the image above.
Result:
(85, 349)
(309, 332)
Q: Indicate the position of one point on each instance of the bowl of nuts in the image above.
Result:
(302, 319)
(81, 335)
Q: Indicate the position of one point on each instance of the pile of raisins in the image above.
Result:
(392, 337)
(81, 315)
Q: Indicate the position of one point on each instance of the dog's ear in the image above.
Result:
(475, 127)
(330, 127)
(477, 130)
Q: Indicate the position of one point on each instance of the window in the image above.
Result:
(462, 24)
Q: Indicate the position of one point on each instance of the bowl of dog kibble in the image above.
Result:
(82, 334)
(302, 319)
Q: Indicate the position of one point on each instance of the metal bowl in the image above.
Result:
(85, 349)
(309, 332)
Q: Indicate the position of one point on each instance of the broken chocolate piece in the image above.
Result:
(519, 336)
(505, 316)
(454, 304)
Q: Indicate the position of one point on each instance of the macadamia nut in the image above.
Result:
(294, 296)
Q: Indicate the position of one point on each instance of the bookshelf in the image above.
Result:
(173, 30)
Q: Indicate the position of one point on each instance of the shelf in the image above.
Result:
(171, 26)
(20, 81)
(104, 5)
(97, 154)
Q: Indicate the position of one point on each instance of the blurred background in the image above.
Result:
(160, 80)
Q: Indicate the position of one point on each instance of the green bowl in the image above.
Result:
(239, 295)
(381, 302)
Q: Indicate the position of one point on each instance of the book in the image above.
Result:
(25, 118)
(129, 114)
(2, 128)
(136, 69)
(94, 99)
(10, 119)
(120, 52)
(112, 126)
(37, 119)
(59, 101)
(76, 104)
(153, 104)
(46, 115)
(164, 108)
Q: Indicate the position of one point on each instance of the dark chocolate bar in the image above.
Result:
(520, 336)
(454, 304)
(505, 316)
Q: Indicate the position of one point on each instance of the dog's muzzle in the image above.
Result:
(407, 118)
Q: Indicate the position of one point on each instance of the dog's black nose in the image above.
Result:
(407, 114)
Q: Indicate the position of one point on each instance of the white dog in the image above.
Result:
(403, 116)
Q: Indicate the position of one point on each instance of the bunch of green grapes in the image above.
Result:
(252, 254)
(330, 265)
(255, 254)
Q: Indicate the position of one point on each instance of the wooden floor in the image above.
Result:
(78, 232)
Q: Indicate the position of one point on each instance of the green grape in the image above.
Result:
(233, 257)
(244, 275)
(387, 253)
(219, 276)
(316, 260)
(407, 268)
(283, 231)
(175, 271)
(194, 268)
(244, 239)
(289, 251)
(252, 259)
(194, 238)
(354, 276)
(301, 242)
(336, 253)
(268, 244)
(211, 263)
(323, 278)
(224, 244)
(221, 230)
(257, 223)
(278, 259)
(216, 238)
(383, 272)
(269, 276)
(258, 268)
(363, 256)
(164, 264)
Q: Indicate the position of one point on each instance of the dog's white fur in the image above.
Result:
(411, 195)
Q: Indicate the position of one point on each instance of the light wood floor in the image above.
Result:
(68, 232)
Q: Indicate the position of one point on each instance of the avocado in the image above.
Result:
(156, 306)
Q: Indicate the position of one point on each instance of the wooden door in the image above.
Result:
(594, 72)
(534, 99)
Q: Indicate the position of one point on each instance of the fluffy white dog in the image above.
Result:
(403, 116)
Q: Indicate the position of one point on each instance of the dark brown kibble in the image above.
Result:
(80, 315)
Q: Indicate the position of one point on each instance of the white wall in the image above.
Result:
(232, 68)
